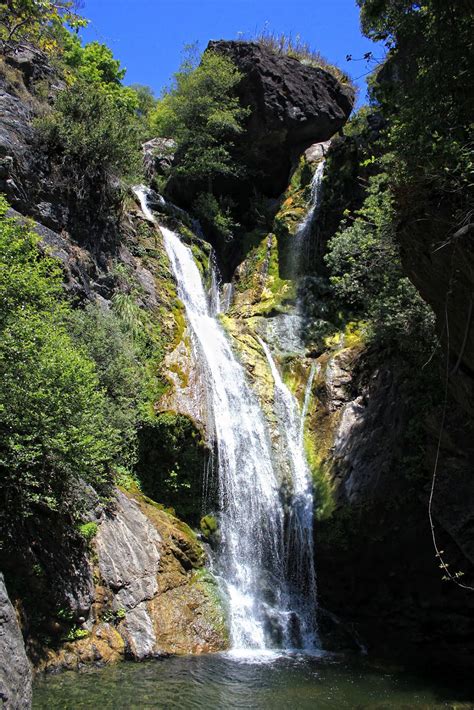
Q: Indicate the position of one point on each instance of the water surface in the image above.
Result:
(265, 682)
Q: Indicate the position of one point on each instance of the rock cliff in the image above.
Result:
(15, 671)
(150, 594)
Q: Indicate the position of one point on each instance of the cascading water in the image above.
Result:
(286, 330)
(265, 606)
(301, 237)
(299, 549)
(315, 367)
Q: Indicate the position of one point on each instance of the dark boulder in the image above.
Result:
(293, 105)
(31, 62)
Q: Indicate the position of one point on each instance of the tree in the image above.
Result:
(146, 99)
(203, 115)
(91, 133)
(94, 64)
(37, 20)
(424, 89)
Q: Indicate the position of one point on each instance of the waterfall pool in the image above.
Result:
(264, 682)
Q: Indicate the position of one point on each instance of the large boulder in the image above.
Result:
(15, 671)
(293, 105)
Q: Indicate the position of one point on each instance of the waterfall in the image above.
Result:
(286, 330)
(303, 230)
(265, 607)
(299, 546)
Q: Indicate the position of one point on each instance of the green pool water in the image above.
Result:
(223, 681)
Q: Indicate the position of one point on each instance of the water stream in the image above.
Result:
(299, 546)
(263, 588)
(300, 250)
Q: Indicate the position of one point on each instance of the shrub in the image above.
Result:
(88, 531)
(172, 459)
(53, 412)
(367, 278)
(91, 135)
(214, 214)
(120, 372)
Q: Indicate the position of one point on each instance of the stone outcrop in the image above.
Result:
(376, 566)
(151, 595)
(15, 671)
(293, 105)
(127, 546)
(158, 154)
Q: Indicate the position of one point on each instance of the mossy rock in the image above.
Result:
(208, 527)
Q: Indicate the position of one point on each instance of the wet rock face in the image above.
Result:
(293, 105)
(377, 570)
(158, 154)
(15, 671)
(367, 437)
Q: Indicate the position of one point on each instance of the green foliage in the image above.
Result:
(109, 343)
(94, 64)
(76, 633)
(366, 275)
(202, 114)
(37, 20)
(215, 213)
(88, 531)
(126, 479)
(208, 526)
(53, 413)
(114, 617)
(425, 91)
(145, 98)
(91, 134)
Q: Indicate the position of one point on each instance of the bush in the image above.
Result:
(215, 215)
(91, 135)
(121, 373)
(53, 413)
(171, 463)
(88, 531)
(367, 278)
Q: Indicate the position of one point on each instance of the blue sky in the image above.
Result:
(148, 35)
